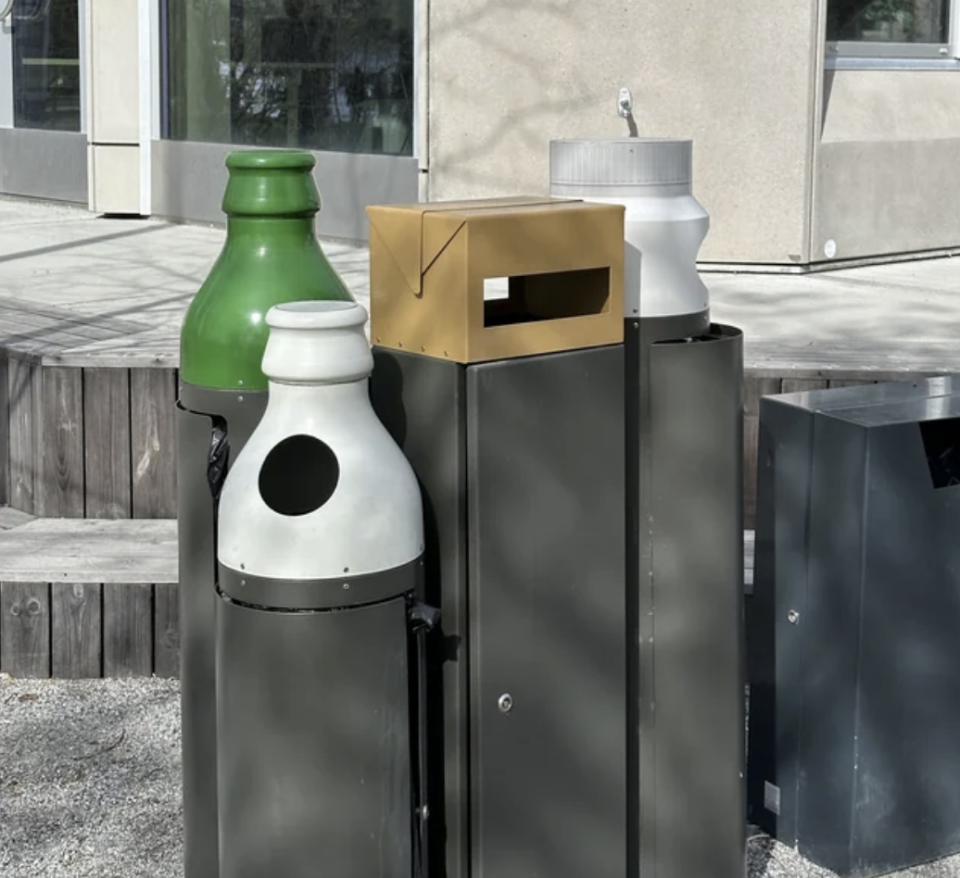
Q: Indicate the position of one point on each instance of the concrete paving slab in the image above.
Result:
(70, 258)
(916, 300)
(149, 270)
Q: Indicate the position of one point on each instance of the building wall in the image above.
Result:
(886, 166)
(507, 76)
(43, 164)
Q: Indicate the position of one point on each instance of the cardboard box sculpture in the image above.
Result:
(560, 260)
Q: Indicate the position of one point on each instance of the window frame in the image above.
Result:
(912, 55)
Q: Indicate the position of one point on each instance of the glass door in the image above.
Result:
(42, 138)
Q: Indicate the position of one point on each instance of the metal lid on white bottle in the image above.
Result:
(621, 166)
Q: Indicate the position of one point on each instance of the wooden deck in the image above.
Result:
(89, 599)
(82, 598)
(87, 405)
(85, 431)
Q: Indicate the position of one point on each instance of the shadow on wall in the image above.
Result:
(525, 119)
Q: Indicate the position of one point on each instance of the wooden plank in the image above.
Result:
(76, 636)
(106, 424)
(838, 382)
(879, 359)
(59, 483)
(152, 348)
(166, 630)
(753, 389)
(153, 396)
(127, 629)
(24, 388)
(25, 629)
(90, 550)
(802, 385)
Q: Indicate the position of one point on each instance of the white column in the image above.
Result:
(6, 70)
(115, 131)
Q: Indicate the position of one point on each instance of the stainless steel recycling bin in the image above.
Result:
(511, 412)
(320, 550)
(684, 428)
(852, 625)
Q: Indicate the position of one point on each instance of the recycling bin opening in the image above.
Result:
(552, 296)
(299, 475)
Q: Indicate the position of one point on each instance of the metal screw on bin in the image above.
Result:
(793, 617)
(271, 255)
(316, 724)
(505, 703)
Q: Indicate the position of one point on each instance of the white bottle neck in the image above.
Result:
(344, 399)
(317, 343)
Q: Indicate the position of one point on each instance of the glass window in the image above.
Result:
(313, 74)
(46, 64)
(888, 21)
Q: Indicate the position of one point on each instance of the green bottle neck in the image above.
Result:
(270, 231)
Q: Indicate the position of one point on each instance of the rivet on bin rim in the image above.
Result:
(505, 703)
(793, 617)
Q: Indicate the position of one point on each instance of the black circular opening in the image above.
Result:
(299, 475)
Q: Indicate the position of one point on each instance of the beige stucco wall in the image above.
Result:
(886, 166)
(507, 76)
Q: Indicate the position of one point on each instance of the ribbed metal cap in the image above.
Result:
(621, 163)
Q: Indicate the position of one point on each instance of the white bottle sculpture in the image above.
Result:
(320, 489)
(320, 545)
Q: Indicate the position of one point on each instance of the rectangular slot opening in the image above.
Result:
(532, 298)
(941, 444)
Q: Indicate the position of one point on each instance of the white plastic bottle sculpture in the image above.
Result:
(320, 544)
(321, 489)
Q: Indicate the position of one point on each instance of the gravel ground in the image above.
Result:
(90, 779)
(90, 785)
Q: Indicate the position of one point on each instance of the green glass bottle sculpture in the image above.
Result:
(271, 256)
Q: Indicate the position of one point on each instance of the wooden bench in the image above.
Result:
(98, 598)
(89, 598)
